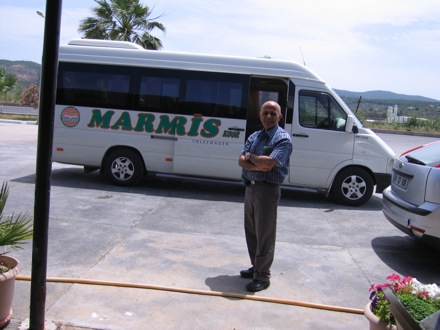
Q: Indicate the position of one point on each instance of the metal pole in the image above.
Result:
(44, 163)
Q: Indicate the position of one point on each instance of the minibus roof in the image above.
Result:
(130, 54)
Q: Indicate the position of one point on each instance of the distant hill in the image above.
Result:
(27, 72)
(383, 95)
(374, 104)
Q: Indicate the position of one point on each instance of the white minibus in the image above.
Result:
(128, 111)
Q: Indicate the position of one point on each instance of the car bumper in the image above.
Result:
(422, 222)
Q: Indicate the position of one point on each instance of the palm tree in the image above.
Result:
(126, 20)
(7, 81)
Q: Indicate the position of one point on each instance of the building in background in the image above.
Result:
(393, 117)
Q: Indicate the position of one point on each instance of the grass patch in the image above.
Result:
(11, 116)
(403, 128)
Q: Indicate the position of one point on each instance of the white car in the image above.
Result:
(412, 201)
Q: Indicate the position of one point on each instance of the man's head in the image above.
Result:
(270, 114)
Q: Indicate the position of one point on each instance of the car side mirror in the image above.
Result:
(350, 127)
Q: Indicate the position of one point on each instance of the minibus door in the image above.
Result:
(320, 142)
(262, 90)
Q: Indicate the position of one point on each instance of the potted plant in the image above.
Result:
(419, 301)
(14, 231)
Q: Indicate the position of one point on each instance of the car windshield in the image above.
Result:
(429, 155)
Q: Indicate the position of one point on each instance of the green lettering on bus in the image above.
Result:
(195, 124)
(180, 123)
(124, 122)
(211, 127)
(99, 120)
(177, 125)
(145, 123)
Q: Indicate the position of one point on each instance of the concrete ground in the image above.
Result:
(183, 244)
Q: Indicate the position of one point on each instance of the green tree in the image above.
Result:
(7, 81)
(126, 20)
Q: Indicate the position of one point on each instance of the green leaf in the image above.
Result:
(14, 230)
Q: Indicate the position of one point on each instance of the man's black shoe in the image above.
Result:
(257, 285)
(247, 273)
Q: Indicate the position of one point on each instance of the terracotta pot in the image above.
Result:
(7, 287)
(375, 322)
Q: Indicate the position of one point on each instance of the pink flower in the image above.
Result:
(393, 277)
(407, 279)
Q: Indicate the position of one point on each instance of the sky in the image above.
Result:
(355, 45)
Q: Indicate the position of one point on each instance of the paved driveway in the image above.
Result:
(188, 236)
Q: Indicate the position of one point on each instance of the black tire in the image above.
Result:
(353, 186)
(124, 167)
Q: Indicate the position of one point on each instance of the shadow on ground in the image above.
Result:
(152, 185)
(409, 257)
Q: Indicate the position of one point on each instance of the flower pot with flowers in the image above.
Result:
(401, 297)
(14, 230)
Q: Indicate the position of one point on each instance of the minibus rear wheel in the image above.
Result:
(353, 186)
(124, 167)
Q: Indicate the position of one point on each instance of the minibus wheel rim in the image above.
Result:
(124, 167)
(352, 186)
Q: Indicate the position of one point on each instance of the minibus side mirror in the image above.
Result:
(350, 127)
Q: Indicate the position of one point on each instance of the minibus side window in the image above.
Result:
(215, 95)
(159, 94)
(94, 86)
(320, 110)
(210, 94)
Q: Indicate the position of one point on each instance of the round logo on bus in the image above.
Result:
(70, 117)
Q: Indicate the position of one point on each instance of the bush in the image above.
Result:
(31, 96)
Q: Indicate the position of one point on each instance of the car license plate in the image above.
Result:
(400, 181)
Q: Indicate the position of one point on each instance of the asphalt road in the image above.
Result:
(179, 234)
(18, 110)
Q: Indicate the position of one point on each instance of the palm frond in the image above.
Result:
(4, 193)
(127, 20)
(14, 230)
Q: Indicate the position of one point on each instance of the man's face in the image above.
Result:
(270, 116)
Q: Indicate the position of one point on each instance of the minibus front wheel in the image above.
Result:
(353, 186)
(124, 167)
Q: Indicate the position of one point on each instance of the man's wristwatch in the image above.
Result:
(248, 157)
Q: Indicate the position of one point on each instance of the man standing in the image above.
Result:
(265, 162)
